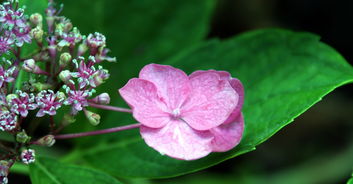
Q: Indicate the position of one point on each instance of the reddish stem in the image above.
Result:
(97, 132)
(111, 108)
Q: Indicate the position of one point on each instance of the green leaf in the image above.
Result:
(350, 181)
(284, 74)
(48, 171)
(139, 32)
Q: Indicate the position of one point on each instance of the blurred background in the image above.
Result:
(317, 148)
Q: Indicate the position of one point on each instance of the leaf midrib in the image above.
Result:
(48, 173)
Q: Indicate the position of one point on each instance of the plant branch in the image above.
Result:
(97, 132)
(111, 108)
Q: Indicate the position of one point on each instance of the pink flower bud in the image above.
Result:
(103, 99)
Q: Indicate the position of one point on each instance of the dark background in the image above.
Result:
(318, 146)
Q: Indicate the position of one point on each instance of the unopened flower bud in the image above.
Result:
(22, 137)
(102, 99)
(47, 140)
(92, 117)
(60, 95)
(28, 156)
(10, 97)
(65, 58)
(37, 34)
(36, 19)
(65, 76)
(82, 49)
(41, 86)
(29, 65)
(67, 26)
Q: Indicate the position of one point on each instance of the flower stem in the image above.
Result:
(97, 132)
(112, 108)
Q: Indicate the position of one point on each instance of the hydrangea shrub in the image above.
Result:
(51, 75)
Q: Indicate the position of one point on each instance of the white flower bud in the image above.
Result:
(65, 58)
(37, 34)
(36, 19)
(65, 76)
(47, 140)
(92, 117)
(29, 65)
(103, 99)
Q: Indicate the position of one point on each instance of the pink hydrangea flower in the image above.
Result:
(186, 117)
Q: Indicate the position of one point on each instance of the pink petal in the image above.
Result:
(211, 102)
(227, 136)
(223, 74)
(178, 140)
(238, 87)
(172, 84)
(40, 113)
(148, 108)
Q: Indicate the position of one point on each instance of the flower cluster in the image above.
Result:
(64, 69)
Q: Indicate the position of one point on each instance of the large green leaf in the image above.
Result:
(50, 171)
(139, 32)
(284, 73)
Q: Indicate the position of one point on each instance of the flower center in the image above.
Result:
(175, 113)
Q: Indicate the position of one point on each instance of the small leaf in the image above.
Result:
(48, 171)
(284, 74)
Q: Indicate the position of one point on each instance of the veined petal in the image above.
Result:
(147, 107)
(227, 136)
(172, 84)
(210, 103)
(223, 74)
(238, 87)
(178, 140)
